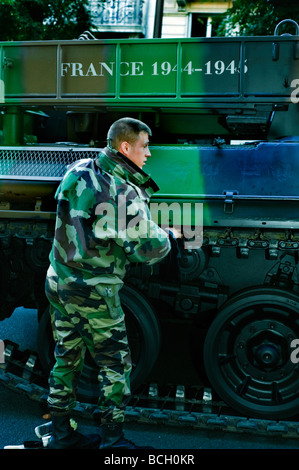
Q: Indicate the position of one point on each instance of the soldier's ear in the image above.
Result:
(124, 148)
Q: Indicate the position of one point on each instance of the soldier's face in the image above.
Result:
(138, 152)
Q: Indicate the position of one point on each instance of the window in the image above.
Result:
(201, 25)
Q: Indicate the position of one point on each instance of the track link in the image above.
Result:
(22, 373)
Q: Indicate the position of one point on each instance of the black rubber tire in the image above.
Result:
(143, 335)
(247, 353)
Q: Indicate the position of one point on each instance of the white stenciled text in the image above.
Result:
(139, 68)
(101, 69)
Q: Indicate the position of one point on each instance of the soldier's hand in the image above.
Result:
(175, 231)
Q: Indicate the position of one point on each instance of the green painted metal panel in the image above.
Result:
(265, 76)
(30, 71)
(245, 186)
(186, 73)
(176, 169)
(210, 69)
(265, 169)
(87, 71)
(148, 71)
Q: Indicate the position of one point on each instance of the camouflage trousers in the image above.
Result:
(81, 319)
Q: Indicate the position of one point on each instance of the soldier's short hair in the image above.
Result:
(126, 130)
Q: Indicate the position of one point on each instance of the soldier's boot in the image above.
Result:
(43, 430)
(112, 436)
(65, 437)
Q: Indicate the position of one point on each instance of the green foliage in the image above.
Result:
(258, 17)
(25, 20)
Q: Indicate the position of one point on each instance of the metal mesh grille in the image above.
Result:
(43, 162)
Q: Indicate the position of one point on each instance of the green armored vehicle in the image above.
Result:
(224, 116)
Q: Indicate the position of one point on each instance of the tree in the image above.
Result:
(66, 19)
(22, 20)
(258, 17)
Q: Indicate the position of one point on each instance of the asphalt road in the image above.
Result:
(19, 415)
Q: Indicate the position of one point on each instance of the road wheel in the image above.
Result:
(247, 353)
(143, 336)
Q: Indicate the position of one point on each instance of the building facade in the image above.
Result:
(122, 18)
(189, 18)
(136, 18)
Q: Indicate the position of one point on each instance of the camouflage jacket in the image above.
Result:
(103, 221)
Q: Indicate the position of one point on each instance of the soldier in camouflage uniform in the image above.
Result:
(103, 224)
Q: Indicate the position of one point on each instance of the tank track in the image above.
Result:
(172, 405)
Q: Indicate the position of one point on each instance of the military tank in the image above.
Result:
(225, 154)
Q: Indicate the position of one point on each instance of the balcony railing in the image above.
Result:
(118, 15)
